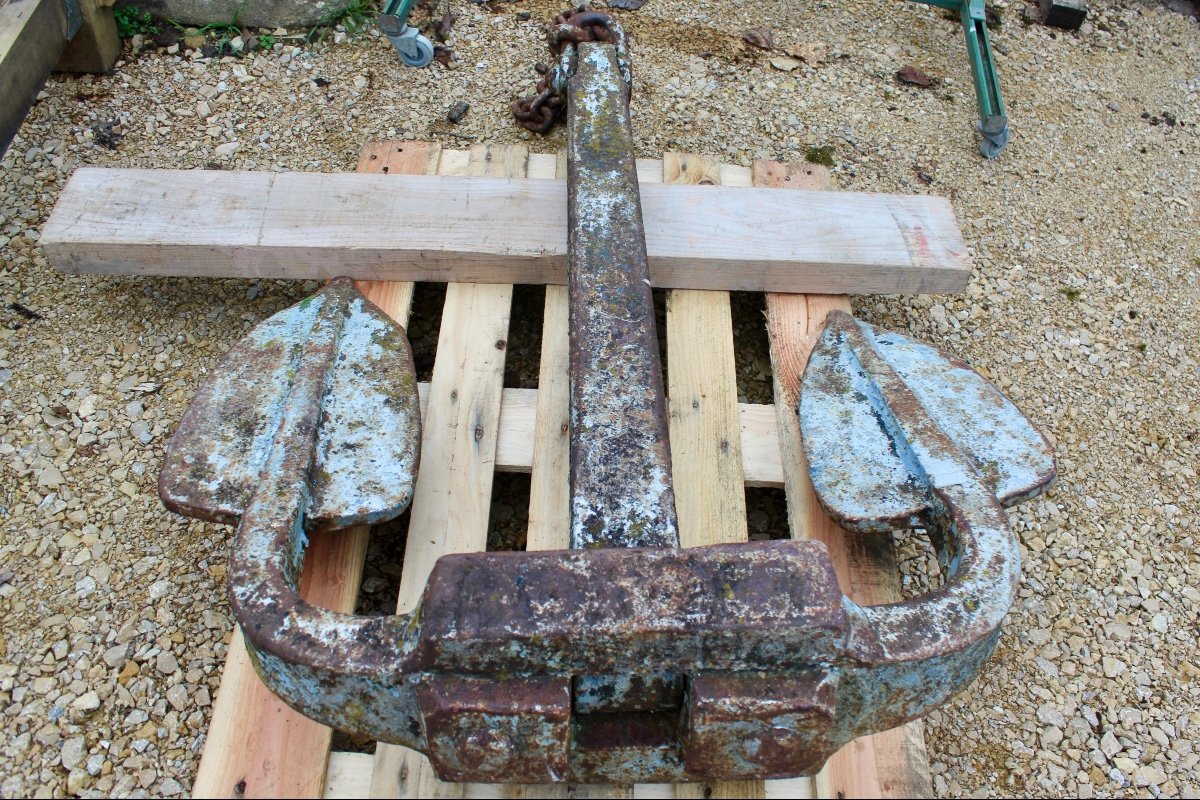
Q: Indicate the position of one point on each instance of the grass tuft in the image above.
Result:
(354, 17)
(132, 20)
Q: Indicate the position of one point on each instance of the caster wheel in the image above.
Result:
(415, 50)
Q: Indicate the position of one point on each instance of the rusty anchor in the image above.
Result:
(624, 659)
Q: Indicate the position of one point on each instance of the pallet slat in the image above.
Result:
(894, 763)
(549, 484)
(706, 452)
(706, 442)
(491, 230)
(458, 451)
(517, 445)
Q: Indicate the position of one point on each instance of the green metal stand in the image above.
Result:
(993, 123)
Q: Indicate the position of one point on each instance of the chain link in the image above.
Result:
(540, 111)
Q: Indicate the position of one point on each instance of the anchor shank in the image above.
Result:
(621, 492)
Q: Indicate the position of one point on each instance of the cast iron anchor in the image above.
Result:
(625, 659)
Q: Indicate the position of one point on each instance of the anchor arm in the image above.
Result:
(910, 657)
(324, 664)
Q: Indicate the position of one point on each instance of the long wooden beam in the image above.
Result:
(492, 230)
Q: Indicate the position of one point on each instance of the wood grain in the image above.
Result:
(453, 492)
(706, 446)
(491, 230)
(256, 745)
(706, 453)
(549, 484)
(517, 443)
(892, 764)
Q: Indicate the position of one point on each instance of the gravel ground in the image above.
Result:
(1082, 306)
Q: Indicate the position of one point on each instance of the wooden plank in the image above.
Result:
(706, 456)
(95, 46)
(281, 753)
(32, 36)
(454, 484)
(349, 776)
(706, 452)
(549, 485)
(893, 764)
(492, 230)
(517, 442)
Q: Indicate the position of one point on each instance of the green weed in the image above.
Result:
(223, 33)
(354, 16)
(131, 21)
(820, 155)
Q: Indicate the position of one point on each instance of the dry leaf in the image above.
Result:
(784, 63)
(759, 37)
(907, 74)
(442, 29)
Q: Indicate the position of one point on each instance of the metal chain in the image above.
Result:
(539, 112)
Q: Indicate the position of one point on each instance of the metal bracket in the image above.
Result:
(74, 18)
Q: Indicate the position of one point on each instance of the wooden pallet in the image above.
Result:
(473, 426)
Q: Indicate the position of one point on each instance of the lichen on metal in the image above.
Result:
(368, 437)
(621, 493)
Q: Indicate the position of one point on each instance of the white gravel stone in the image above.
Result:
(177, 696)
(1113, 667)
(167, 664)
(116, 656)
(1109, 744)
(74, 751)
(86, 703)
(1149, 775)
(1049, 715)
